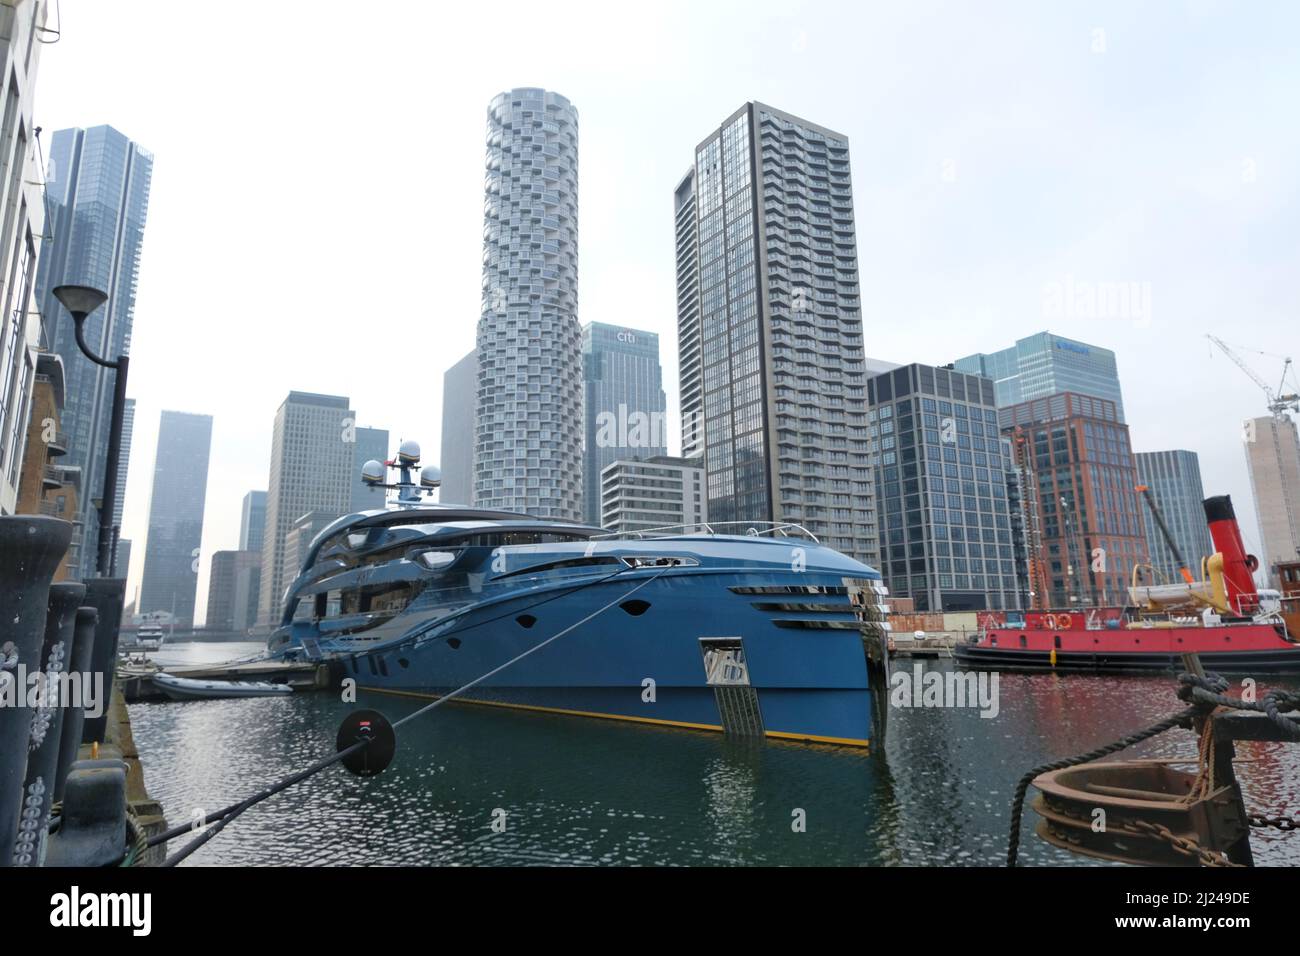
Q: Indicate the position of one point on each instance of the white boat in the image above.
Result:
(148, 637)
(185, 688)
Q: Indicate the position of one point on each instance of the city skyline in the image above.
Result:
(932, 199)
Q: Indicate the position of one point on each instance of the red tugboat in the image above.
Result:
(1222, 617)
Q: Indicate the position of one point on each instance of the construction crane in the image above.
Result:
(1278, 402)
(1177, 553)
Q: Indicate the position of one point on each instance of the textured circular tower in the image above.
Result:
(528, 416)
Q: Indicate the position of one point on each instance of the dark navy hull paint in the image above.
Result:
(811, 683)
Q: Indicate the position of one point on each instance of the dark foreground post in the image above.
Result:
(30, 550)
(83, 643)
(47, 722)
(105, 595)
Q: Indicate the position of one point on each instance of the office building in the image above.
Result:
(624, 404)
(1174, 478)
(252, 521)
(658, 492)
(768, 297)
(180, 486)
(941, 490)
(459, 392)
(312, 469)
(1045, 364)
(97, 193)
(232, 598)
(1092, 532)
(528, 418)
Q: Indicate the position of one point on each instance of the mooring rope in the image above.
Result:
(223, 817)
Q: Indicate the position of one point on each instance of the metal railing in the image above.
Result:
(754, 529)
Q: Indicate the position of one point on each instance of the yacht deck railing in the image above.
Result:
(755, 529)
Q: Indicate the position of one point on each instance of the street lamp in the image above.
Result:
(80, 301)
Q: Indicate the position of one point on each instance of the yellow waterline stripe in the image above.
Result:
(716, 728)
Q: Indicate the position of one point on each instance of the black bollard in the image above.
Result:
(83, 643)
(105, 595)
(30, 551)
(47, 722)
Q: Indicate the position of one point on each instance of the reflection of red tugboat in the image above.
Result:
(1222, 618)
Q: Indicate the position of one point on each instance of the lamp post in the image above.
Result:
(80, 301)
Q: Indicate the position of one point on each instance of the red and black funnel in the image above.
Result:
(1238, 566)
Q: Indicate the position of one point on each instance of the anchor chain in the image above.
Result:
(1185, 845)
(1285, 824)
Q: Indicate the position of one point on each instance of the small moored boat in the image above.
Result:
(185, 688)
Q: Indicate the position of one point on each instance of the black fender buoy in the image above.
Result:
(372, 728)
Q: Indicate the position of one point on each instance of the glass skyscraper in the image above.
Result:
(252, 521)
(624, 403)
(941, 490)
(770, 328)
(180, 486)
(528, 420)
(97, 189)
(1046, 364)
(1174, 478)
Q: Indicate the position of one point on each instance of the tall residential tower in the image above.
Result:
(770, 328)
(1273, 458)
(528, 420)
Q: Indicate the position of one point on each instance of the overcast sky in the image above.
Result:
(316, 215)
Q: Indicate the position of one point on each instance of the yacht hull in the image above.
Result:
(801, 671)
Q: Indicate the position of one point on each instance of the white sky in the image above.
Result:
(316, 215)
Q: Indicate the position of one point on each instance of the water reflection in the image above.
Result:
(588, 792)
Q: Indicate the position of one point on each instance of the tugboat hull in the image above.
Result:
(1232, 649)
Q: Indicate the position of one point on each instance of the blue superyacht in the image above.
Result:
(763, 632)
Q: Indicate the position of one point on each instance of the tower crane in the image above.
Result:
(1278, 402)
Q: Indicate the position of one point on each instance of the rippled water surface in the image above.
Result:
(592, 792)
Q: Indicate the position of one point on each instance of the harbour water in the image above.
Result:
(564, 790)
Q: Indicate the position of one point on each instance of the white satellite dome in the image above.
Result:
(372, 472)
(409, 453)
